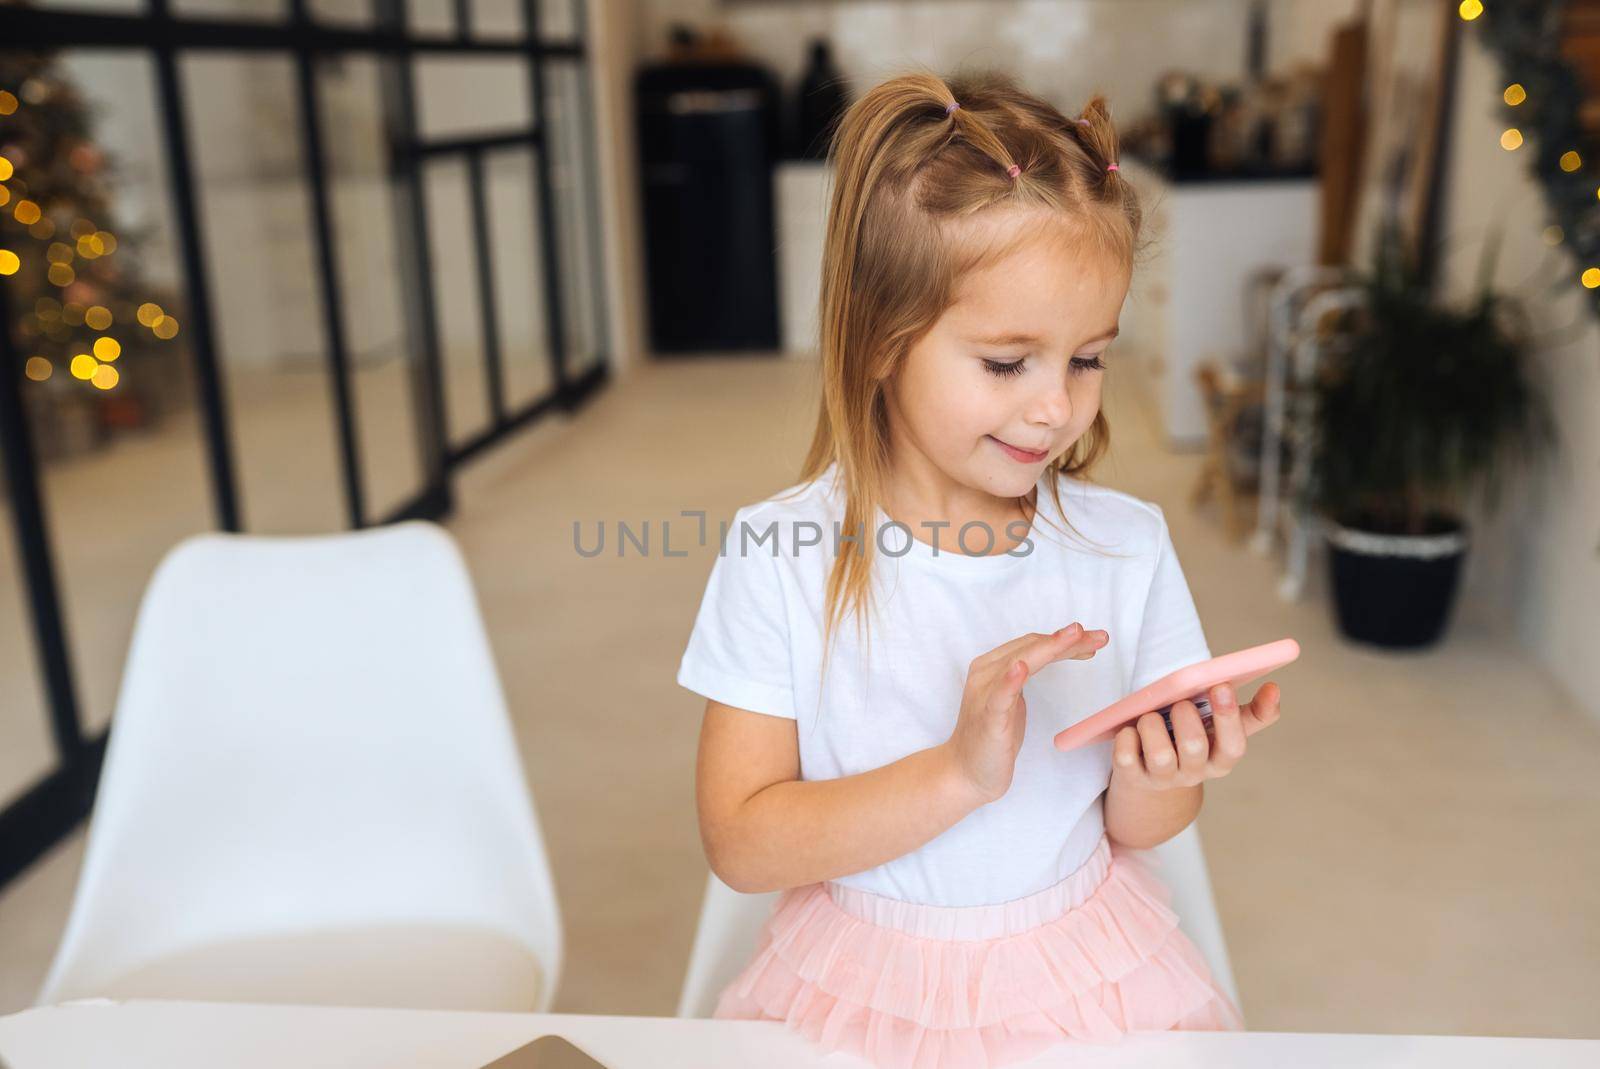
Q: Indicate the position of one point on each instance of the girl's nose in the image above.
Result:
(1052, 408)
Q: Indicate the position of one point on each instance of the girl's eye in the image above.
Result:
(1003, 370)
(1079, 364)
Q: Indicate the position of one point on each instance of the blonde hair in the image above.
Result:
(912, 158)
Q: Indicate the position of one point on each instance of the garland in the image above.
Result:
(1527, 37)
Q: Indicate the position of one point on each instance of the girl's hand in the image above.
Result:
(994, 715)
(1144, 757)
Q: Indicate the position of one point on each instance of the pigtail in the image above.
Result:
(1098, 136)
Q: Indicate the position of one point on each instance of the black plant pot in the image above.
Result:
(1393, 590)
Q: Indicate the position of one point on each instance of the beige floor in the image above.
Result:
(1411, 849)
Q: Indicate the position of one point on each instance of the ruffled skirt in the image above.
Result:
(909, 986)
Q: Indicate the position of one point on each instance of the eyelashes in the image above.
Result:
(1004, 370)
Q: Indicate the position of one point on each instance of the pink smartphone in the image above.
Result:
(1193, 683)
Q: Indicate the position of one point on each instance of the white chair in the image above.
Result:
(311, 791)
(730, 923)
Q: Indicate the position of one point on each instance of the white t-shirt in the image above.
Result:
(757, 645)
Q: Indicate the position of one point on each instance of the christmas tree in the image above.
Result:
(97, 344)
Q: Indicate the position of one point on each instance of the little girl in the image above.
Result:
(958, 892)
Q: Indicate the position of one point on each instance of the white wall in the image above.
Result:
(1535, 565)
(1061, 49)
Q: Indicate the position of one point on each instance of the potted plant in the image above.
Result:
(1420, 404)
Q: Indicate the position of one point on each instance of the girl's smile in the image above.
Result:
(1021, 455)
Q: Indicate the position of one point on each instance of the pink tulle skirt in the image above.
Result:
(909, 986)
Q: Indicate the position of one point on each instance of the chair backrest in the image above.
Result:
(730, 923)
(1181, 865)
(310, 736)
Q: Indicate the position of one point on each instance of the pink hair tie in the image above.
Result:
(1112, 167)
(1013, 170)
(952, 106)
(1083, 122)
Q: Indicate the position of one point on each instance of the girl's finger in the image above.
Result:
(1004, 694)
(1262, 712)
(1071, 641)
(1190, 737)
(1007, 650)
(1160, 762)
(1089, 644)
(1228, 746)
(1125, 750)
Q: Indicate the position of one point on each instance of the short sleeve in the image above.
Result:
(738, 652)
(1170, 637)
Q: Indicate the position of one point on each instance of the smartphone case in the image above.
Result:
(1192, 682)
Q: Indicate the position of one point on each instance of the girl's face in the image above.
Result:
(1009, 376)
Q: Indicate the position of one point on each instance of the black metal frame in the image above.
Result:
(49, 810)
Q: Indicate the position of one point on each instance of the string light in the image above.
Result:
(98, 317)
(8, 102)
(1470, 9)
(6, 170)
(107, 349)
(1515, 94)
(61, 275)
(38, 368)
(1511, 140)
(1591, 278)
(105, 376)
(9, 262)
(148, 313)
(166, 328)
(1571, 161)
(83, 365)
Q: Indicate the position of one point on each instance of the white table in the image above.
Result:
(1187, 303)
(107, 1034)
